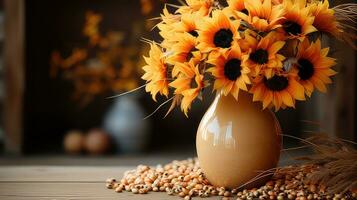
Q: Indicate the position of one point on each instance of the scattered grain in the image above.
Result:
(186, 179)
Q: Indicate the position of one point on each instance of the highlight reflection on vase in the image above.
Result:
(237, 140)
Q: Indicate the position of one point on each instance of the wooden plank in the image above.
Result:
(345, 93)
(59, 174)
(42, 183)
(74, 191)
(153, 158)
(13, 74)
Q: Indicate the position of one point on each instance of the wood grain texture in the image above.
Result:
(59, 174)
(13, 74)
(43, 182)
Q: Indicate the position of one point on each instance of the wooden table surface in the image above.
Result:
(56, 177)
(67, 182)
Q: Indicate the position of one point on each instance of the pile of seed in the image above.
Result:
(186, 179)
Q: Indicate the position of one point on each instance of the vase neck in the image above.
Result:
(243, 97)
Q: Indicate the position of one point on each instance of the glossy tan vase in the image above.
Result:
(236, 141)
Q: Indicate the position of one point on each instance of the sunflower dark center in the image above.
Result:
(292, 27)
(194, 33)
(193, 83)
(260, 56)
(169, 71)
(306, 69)
(245, 11)
(232, 69)
(190, 55)
(223, 38)
(276, 83)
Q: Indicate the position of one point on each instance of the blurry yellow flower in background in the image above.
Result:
(313, 66)
(146, 6)
(229, 71)
(91, 29)
(279, 91)
(104, 64)
(189, 84)
(156, 72)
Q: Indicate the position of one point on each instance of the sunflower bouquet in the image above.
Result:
(270, 48)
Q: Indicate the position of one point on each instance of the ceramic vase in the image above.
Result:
(124, 122)
(237, 141)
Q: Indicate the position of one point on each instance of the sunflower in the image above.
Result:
(277, 2)
(166, 27)
(189, 84)
(203, 7)
(229, 71)
(279, 91)
(297, 22)
(261, 15)
(237, 5)
(188, 24)
(233, 7)
(264, 54)
(313, 66)
(324, 21)
(156, 72)
(184, 51)
(217, 33)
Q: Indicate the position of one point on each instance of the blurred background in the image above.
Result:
(60, 60)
